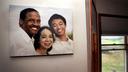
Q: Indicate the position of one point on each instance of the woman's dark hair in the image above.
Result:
(37, 37)
(56, 16)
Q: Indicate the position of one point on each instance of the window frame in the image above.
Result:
(99, 33)
(125, 49)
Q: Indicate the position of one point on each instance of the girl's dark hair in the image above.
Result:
(37, 37)
(56, 16)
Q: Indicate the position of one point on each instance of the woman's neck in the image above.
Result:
(42, 51)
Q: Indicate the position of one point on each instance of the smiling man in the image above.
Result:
(30, 21)
(63, 44)
(22, 39)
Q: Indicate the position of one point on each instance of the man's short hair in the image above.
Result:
(56, 16)
(25, 11)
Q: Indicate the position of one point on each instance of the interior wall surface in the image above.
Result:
(63, 63)
(116, 7)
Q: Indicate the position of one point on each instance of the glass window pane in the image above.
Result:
(112, 39)
(113, 61)
(113, 47)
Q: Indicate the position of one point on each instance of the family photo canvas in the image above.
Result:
(39, 31)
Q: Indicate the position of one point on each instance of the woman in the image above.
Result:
(43, 40)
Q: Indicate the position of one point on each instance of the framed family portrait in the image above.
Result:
(40, 31)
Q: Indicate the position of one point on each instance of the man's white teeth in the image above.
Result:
(34, 28)
(59, 30)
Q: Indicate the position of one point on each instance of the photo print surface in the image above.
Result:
(39, 31)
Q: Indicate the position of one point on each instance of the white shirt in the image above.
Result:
(21, 44)
(62, 47)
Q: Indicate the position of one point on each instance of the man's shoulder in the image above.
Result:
(19, 35)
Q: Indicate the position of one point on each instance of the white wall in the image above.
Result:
(67, 63)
